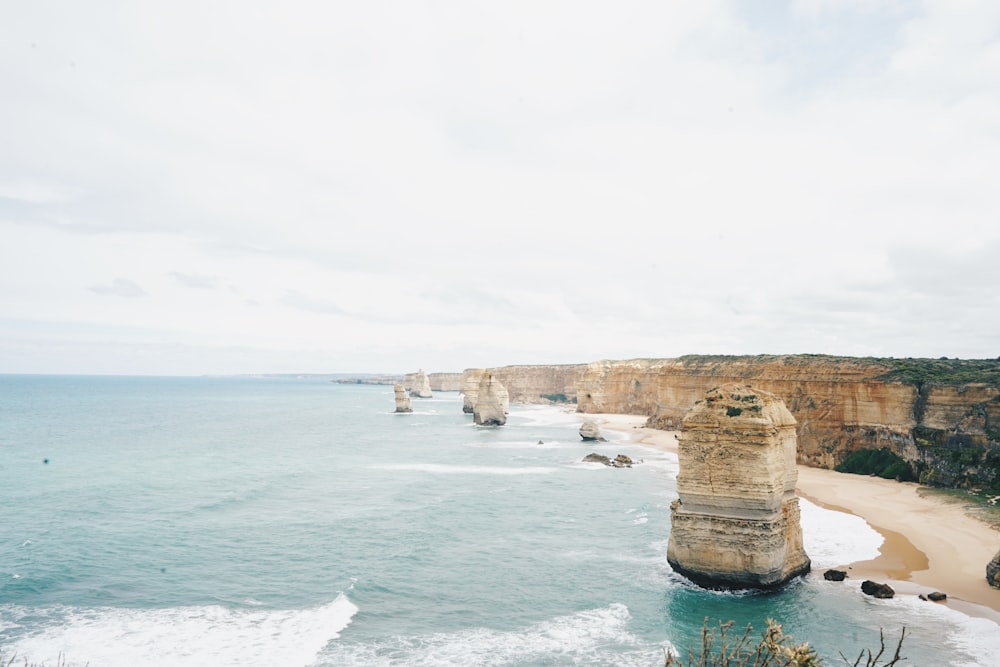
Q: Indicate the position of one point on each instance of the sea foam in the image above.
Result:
(182, 636)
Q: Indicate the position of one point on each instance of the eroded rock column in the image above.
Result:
(402, 400)
(491, 402)
(736, 523)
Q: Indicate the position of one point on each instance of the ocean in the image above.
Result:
(293, 521)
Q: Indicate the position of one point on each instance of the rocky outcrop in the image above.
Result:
(877, 590)
(835, 575)
(402, 399)
(589, 431)
(470, 388)
(491, 400)
(736, 523)
(620, 461)
(993, 571)
(421, 386)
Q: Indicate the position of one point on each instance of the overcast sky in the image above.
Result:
(243, 187)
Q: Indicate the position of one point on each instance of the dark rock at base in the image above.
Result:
(835, 575)
(937, 596)
(877, 590)
(590, 432)
(622, 461)
(597, 458)
(993, 571)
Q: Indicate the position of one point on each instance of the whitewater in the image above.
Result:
(294, 521)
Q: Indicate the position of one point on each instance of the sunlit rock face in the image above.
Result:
(421, 387)
(491, 402)
(470, 388)
(736, 523)
(402, 399)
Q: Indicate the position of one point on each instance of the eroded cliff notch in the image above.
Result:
(736, 524)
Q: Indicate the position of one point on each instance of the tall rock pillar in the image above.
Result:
(421, 387)
(736, 524)
(402, 400)
(471, 378)
(491, 402)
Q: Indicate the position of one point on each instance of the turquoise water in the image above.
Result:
(262, 521)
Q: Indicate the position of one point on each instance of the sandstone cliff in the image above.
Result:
(470, 388)
(445, 381)
(538, 384)
(736, 524)
(949, 430)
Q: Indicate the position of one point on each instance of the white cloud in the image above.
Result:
(384, 185)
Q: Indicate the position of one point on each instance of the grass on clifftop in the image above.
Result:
(908, 371)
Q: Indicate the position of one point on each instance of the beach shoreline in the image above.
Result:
(929, 544)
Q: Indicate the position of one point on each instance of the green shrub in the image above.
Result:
(881, 462)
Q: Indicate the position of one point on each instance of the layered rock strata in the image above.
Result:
(445, 381)
(540, 384)
(421, 387)
(491, 399)
(736, 523)
(402, 399)
(470, 388)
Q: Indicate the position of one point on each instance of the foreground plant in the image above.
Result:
(720, 648)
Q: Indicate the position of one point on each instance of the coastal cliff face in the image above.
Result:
(445, 381)
(736, 524)
(538, 384)
(948, 431)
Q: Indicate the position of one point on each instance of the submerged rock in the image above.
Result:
(402, 400)
(590, 432)
(877, 590)
(937, 596)
(421, 387)
(620, 461)
(491, 402)
(737, 525)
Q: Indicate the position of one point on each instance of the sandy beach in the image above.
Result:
(930, 544)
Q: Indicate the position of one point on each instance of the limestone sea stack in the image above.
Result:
(736, 524)
(589, 431)
(402, 400)
(491, 399)
(470, 388)
(421, 387)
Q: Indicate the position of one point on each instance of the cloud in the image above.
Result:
(119, 287)
(196, 281)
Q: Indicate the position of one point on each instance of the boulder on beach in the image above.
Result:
(835, 575)
(590, 432)
(993, 571)
(877, 590)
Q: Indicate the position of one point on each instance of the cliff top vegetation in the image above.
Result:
(943, 371)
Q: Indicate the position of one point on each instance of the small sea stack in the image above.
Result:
(590, 432)
(736, 523)
(421, 387)
(491, 402)
(402, 399)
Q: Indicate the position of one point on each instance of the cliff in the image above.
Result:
(736, 523)
(941, 416)
(445, 381)
(536, 384)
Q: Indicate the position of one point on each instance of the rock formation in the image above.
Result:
(470, 388)
(620, 461)
(993, 571)
(538, 384)
(590, 432)
(421, 387)
(736, 524)
(491, 400)
(402, 400)
(877, 590)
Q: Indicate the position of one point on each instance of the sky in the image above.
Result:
(201, 187)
